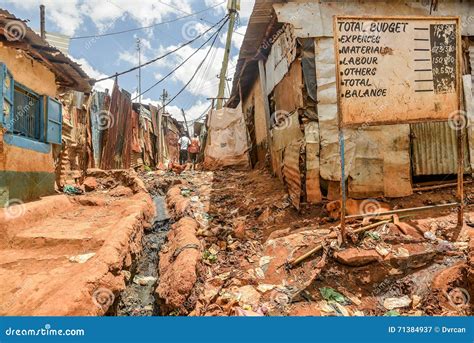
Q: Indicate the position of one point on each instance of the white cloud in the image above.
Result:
(238, 36)
(246, 7)
(69, 15)
(147, 12)
(129, 57)
(95, 74)
(65, 14)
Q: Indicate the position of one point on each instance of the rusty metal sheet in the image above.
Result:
(434, 149)
(288, 95)
(396, 69)
(117, 149)
(292, 171)
(313, 189)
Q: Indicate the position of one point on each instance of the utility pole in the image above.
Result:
(42, 24)
(232, 6)
(139, 75)
(163, 98)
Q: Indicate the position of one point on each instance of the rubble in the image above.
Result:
(300, 266)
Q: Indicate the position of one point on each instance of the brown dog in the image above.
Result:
(354, 207)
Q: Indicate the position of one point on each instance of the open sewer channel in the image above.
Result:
(138, 298)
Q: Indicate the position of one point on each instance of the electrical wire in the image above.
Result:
(207, 21)
(214, 35)
(197, 69)
(202, 115)
(165, 55)
(149, 26)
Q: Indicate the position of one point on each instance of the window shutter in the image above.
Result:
(6, 99)
(54, 121)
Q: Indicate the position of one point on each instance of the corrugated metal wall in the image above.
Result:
(434, 149)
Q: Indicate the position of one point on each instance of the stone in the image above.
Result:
(356, 257)
(393, 303)
(121, 191)
(90, 184)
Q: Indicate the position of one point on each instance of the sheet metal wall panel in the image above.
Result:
(282, 54)
(313, 189)
(434, 149)
(292, 172)
(118, 146)
(471, 60)
(288, 93)
(96, 109)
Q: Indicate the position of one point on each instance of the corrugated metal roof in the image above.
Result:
(59, 41)
(68, 73)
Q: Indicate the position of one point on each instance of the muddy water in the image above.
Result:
(138, 298)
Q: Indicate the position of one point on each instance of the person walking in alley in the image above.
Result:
(183, 145)
(194, 149)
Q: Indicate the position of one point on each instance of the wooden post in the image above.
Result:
(232, 10)
(42, 23)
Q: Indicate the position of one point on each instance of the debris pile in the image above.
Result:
(238, 247)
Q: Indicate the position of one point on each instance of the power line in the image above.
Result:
(163, 56)
(149, 26)
(202, 115)
(207, 21)
(214, 35)
(198, 67)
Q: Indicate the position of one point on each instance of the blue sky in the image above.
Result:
(103, 56)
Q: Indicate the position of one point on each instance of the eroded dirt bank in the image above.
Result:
(235, 241)
(70, 255)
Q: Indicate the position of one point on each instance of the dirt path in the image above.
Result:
(248, 232)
